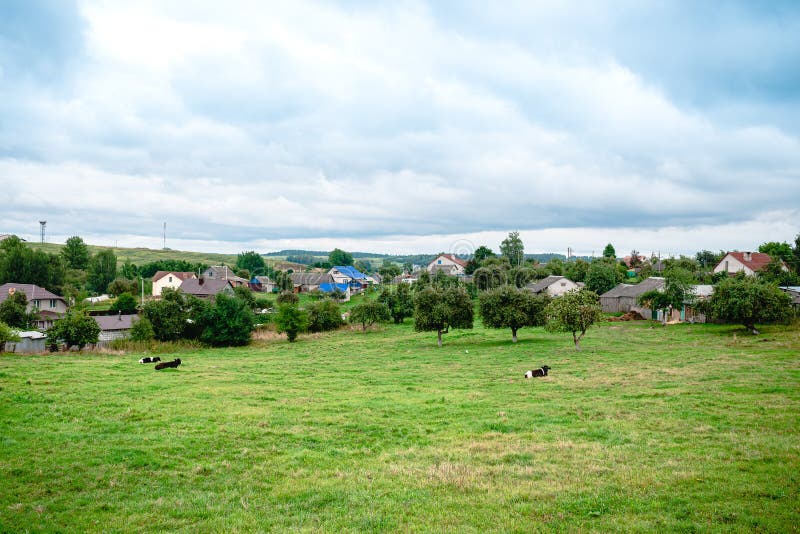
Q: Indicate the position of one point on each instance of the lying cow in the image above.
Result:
(164, 365)
(148, 359)
(541, 371)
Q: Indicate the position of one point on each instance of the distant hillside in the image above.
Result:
(140, 256)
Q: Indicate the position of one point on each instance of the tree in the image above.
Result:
(368, 313)
(490, 277)
(577, 270)
(399, 301)
(228, 322)
(677, 291)
(511, 307)
(142, 330)
(76, 253)
(609, 252)
(251, 261)
(167, 316)
(781, 251)
(283, 281)
(408, 267)
(363, 266)
(340, 257)
(323, 316)
(125, 303)
(7, 334)
(574, 312)
(121, 285)
(748, 301)
(389, 270)
(102, 270)
(707, 259)
(75, 328)
(636, 259)
(129, 271)
(292, 320)
(775, 272)
(287, 297)
(14, 311)
(513, 249)
(438, 310)
(601, 277)
(246, 295)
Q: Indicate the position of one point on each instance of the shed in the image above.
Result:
(30, 341)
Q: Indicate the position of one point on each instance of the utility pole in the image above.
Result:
(42, 224)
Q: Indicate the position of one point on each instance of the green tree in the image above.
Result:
(142, 330)
(573, 312)
(323, 316)
(368, 313)
(125, 303)
(292, 320)
(399, 300)
(513, 249)
(129, 271)
(363, 266)
(707, 259)
(781, 251)
(748, 301)
(167, 315)
(776, 272)
(287, 297)
(252, 261)
(389, 270)
(408, 267)
(601, 277)
(14, 311)
(121, 285)
(438, 310)
(246, 295)
(577, 270)
(7, 334)
(511, 307)
(76, 253)
(677, 291)
(102, 270)
(490, 277)
(75, 328)
(228, 322)
(609, 252)
(340, 257)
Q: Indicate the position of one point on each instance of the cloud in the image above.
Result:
(359, 123)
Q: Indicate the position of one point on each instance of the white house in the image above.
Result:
(749, 262)
(555, 286)
(449, 263)
(49, 306)
(171, 279)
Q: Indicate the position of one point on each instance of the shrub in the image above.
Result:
(142, 330)
(75, 328)
(287, 297)
(369, 312)
(228, 322)
(125, 303)
(292, 320)
(323, 316)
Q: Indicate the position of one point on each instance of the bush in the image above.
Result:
(287, 297)
(142, 330)
(75, 328)
(167, 316)
(125, 303)
(122, 285)
(369, 312)
(7, 334)
(245, 294)
(292, 320)
(228, 322)
(263, 303)
(323, 316)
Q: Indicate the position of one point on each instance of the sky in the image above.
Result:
(403, 126)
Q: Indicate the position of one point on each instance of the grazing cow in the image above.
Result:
(148, 359)
(541, 371)
(164, 365)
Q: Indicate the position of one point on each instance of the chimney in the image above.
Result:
(119, 316)
(748, 256)
(201, 280)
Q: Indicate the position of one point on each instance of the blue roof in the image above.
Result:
(330, 288)
(352, 272)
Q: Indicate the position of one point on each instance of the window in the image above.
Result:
(439, 262)
(52, 303)
(170, 279)
(563, 284)
(36, 304)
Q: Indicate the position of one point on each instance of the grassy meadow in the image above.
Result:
(649, 429)
(140, 256)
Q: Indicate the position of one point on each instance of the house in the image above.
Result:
(287, 266)
(451, 264)
(223, 272)
(623, 298)
(344, 289)
(305, 282)
(794, 292)
(29, 341)
(345, 274)
(49, 306)
(555, 286)
(172, 279)
(114, 326)
(262, 284)
(206, 288)
(749, 262)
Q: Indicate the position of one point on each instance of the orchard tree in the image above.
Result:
(292, 320)
(574, 312)
(75, 328)
(167, 315)
(577, 270)
(323, 316)
(748, 301)
(102, 270)
(14, 311)
(251, 261)
(228, 322)
(602, 276)
(609, 252)
(438, 310)
(513, 249)
(510, 307)
(368, 313)
(389, 270)
(121, 285)
(777, 250)
(340, 257)
(142, 330)
(125, 303)
(399, 301)
(76, 253)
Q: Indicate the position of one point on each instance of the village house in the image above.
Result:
(555, 286)
(171, 279)
(262, 284)
(748, 262)
(345, 274)
(330, 288)
(49, 306)
(624, 297)
(305, 282)
(114, 326)
(223, 272)
(451, 264)
(206, 288)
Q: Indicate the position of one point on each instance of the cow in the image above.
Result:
(541, 371)
(164, 365)
(148, 359)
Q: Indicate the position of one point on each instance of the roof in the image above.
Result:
(544, 283)
(223, 272)
(114, 322)
(703, 290)
(755, 260)
(181, 275)
(310, 279)
(330, 288)
(32, 292)
(204, 286)
(635, 290)
(453, 258)
(350, 271)
(31, 334)
(260, 280)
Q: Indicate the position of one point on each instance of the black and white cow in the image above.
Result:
(148, 359)
(541, 371)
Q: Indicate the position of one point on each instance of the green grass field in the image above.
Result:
(140, 256)
(650, 429)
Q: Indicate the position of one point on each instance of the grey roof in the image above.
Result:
(263, 279)
(544, 283)
(204, 286)
(703, 290)
(115, 322)
(32, 292)
(222, 272)
(311, 279)
(634, 290)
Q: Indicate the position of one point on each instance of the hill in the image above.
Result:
(141, 256)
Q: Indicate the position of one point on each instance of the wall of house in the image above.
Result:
(110, 335)
(444, 261)
(51, 305)
(560, 287)
(732, 265)
(161, 283)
